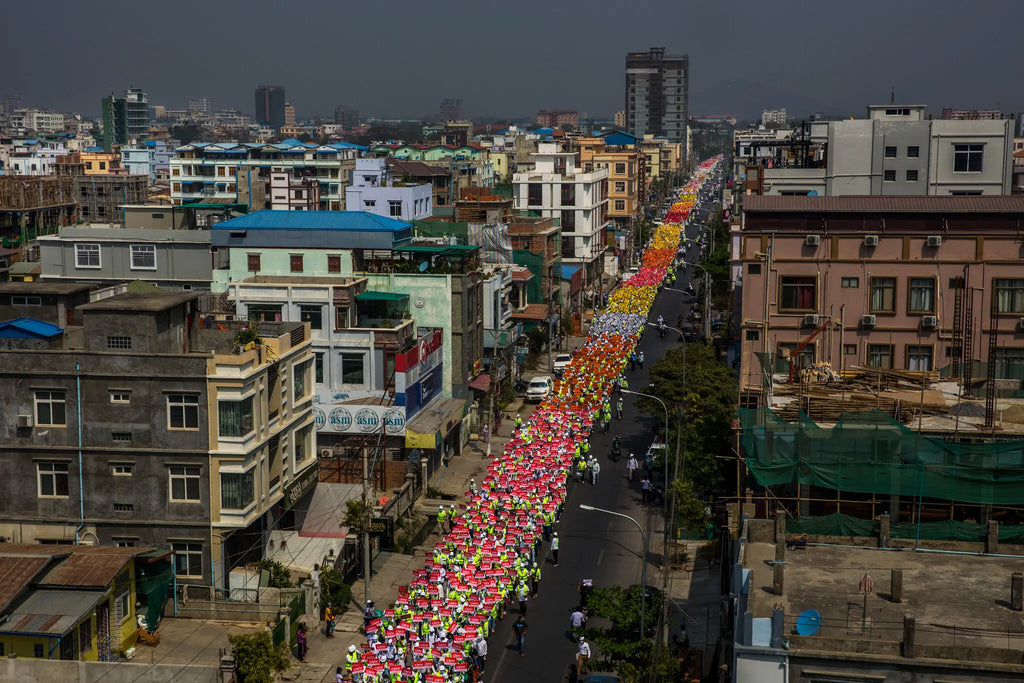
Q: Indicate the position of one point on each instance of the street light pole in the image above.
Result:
(664, 498)
(643, 565)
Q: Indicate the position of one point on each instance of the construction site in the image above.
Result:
(35, 205)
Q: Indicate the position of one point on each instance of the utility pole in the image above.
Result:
(366, 527)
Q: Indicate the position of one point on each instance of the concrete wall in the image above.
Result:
(42, 670)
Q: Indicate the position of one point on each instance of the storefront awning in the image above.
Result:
(481, 383)
(433, 423)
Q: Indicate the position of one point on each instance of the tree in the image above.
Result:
(536, 338)
(622, 646)
(187, 133)
(279, 576)
(708, 403)
(257, 658)
(333, 590)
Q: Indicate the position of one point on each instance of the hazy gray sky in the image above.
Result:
(401, 57)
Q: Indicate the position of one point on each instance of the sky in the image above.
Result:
(400, 58)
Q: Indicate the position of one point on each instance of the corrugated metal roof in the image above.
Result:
(313, 220)
(28, 327)
(51, 612)
(17, 573)
(879, 204)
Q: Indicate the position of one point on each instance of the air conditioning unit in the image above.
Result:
(934, 240)
(930, 321)
(870, 240)
(867, 320)
(812, 240)
(25, 421)
(1020, 324)
(811, 320)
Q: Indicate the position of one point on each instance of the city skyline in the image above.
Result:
(568, 57)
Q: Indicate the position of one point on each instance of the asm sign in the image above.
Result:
(357, 419)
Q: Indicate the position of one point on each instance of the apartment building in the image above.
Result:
(152, 425)
(101, 196)
(657, 94)
(560, 189)
(907, 283)
(376, 191)
(895, 151)
(627, 173)
(204, 171)
(288, 193)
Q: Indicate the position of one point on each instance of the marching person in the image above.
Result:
(582, 655)
(554, 548)
(618, 409)
(595, 469)
(329, 618)
(519, 627)
(631, 466)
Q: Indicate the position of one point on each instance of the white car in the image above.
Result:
(630, 273)
(538, 389)
(561, 361)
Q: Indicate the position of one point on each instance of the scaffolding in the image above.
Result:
(34, 205)
(101, 197)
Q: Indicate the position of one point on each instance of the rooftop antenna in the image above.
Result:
(892, 95)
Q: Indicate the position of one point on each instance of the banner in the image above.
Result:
(352, 418)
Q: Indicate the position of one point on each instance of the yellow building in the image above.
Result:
(97, 163)
(500, 161)
(72, 602)
(627, 186)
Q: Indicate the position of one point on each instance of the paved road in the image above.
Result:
(602, 547)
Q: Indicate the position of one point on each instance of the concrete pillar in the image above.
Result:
(780, 523)
(894, 508)
(805, 504)
(780, 549)
(883, 530)
(896, 586)
(1017, 591)
(778, 619)
(777, 578)
(909, 627)
(992, 537)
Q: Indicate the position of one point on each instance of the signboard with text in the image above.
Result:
(350, 418)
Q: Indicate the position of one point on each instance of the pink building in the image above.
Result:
(909, 283)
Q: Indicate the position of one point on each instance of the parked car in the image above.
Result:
(561, 361)
(538, 389)
(630, 273)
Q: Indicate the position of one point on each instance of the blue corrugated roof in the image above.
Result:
(569, 271)
(313, 220)
(28, 327)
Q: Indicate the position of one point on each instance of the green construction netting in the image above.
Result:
(533, 262)
(832, 525)
(869, 452)
(152, 584)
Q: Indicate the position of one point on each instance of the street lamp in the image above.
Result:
(643, 564)
(665, 407)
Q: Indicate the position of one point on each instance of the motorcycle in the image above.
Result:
(616, 452)
(661, 330)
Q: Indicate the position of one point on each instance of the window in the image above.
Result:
(125, 542)
(314, 315)
(922, 295)
(52, 479)
(143, 257)
(235, 417)
(798, 293)
(50, 409)
(295, 263)
(87, 256)
(38, 651)
(119, 343)
(912, 175)
(120, 396)
(620, 168)
(318, 368)
(620, 204)
(568, 194)
(26, 301)
(968, 158)
(1010, 362)
(913, 152)
(880, 355)
(352, 368)
(849, 349)
(369, 203)
(752, 335)
(535, 194)
(184, 483)
(1009, 294)
(122, 469)
(620, 186)
(333, 263)
(340, 317)
(157, 216)
(124, 605)
(299, 380)
(188, 559)
(754, 269)
(890, 151)
(919, 357)
(124, 507)
(897, 111)
(236, 490)
(883, 295)
(253, 263)
(850, 283)
(183, 411)
(267, 313)
(121, 437)
(889, 176)
(394, 208)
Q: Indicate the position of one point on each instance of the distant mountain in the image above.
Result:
(745, 99)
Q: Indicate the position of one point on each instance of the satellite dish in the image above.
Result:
(812, 193)
(808, 623)
(424, 266)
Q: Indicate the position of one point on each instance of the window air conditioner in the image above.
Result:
(25, 421)
(870, 240)
(867, 320)
(930, 321)
(934, 240)
(812, 240)
(811, 319)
